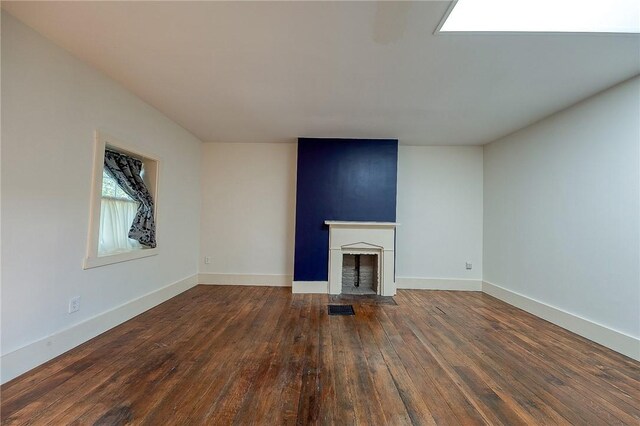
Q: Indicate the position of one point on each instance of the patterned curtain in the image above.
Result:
(126, 171)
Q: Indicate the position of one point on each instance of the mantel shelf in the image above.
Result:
(361, 224)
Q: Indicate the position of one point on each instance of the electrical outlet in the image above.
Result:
(207, 260)
(469, 265)
(74, 304)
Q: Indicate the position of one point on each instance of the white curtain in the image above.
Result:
(116, 217)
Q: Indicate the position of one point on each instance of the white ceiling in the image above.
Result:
(273, 71)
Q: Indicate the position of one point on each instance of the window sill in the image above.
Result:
(94, 262)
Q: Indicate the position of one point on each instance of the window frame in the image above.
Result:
(151, 178)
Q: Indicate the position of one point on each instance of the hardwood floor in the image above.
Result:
(260, 355)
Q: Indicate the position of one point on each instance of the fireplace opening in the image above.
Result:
(359, 274)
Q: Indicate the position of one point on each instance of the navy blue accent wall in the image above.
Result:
(340, 179)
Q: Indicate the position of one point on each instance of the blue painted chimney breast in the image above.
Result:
(340, 179)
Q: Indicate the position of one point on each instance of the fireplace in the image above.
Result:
(359, 273)
(362, 252)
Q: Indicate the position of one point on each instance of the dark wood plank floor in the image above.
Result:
(260, 355)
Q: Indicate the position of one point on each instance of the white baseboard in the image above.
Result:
(27, 357)
(245, 279)
(613, 339)
(438, 284)
(315, 287)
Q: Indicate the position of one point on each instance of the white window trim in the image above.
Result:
(92, 260)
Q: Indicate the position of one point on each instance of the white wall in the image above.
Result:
(561, 211)
(51, 105)
(440, 211)
(248, 212)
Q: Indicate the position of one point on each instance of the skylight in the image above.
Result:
(575, 16)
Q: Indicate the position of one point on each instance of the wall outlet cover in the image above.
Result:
(74, 304)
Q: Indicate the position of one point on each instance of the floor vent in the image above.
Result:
(341, 310)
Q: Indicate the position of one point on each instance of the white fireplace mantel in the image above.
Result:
(346, 237)
(347, 224)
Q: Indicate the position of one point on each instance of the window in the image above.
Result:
(117, 211)
(123, 205)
